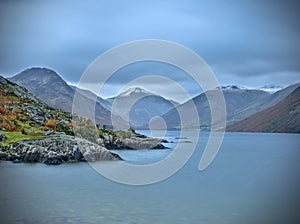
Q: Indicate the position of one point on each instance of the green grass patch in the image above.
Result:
(123, 134)
(17, 136)
(13, 97)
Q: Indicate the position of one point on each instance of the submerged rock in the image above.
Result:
(54, 161)
(17, 161)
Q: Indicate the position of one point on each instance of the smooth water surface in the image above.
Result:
(255, 178)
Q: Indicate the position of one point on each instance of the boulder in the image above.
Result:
(3, 138)
(96, 153)
(36, 115)
(34, 154)
(3, 155)
(17, 161)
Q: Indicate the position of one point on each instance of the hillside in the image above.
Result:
(281, 117)
(47, 85)
(235, 98)
(262, 103)
(88, 94)
(31, 131)
(26, 116)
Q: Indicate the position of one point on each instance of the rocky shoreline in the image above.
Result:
(61, 148)
(31, 131)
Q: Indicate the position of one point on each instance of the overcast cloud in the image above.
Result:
(250, 43)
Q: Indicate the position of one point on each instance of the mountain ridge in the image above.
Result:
(237, 109)
(281, 117)
(89, 94)
(241, 102)
(145, 105)
(235, 99)
(47, 85)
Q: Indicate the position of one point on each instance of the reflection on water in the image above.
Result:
(254, 179)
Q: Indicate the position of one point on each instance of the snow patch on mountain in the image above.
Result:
(231, 87)
(135, 90)
(267, 88)
(271, 88)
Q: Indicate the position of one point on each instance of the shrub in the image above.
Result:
(65, 128)
(24, 132)
(123, 134)
(7, 125)
(3, 111)
(51, 124)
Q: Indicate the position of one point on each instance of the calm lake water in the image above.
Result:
(255, 178)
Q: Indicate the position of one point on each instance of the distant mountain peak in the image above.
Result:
(40, 69)
(231, 87)
(271, 88)
(36, 73)
(135, 90)
(267, 88)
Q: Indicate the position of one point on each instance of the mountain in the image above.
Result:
(241, 103)
(91, 95)
(131, 92)
(145, 105)
(236, 98)
(281, 117)
(47, 85)
(262, 103)
(31, 131)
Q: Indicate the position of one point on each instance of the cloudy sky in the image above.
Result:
(249, 43)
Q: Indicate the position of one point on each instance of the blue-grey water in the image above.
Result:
(255, 178)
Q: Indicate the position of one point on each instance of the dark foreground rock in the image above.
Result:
(2, 137)
(56, 150)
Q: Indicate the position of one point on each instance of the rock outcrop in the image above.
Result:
(134, 141)
(56, 150)
(143, 143)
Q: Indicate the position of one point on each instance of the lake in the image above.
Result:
(255, 178)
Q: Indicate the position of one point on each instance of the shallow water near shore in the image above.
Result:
(254, 179)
